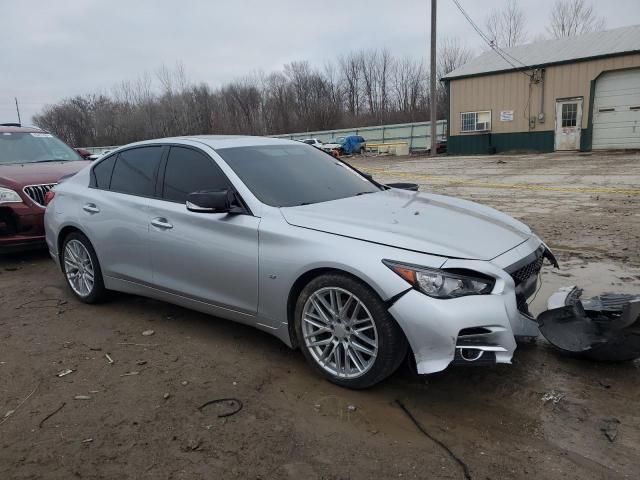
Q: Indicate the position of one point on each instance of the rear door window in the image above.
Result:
(190, 171)
(102, 173)
(135, 171)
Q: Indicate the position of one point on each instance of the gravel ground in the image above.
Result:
(138, 417)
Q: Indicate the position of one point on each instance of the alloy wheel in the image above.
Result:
(339, 332)
(78, 268)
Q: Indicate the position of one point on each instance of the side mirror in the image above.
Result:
(215, 201)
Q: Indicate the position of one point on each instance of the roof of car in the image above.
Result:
(15, 128)
(223, 141)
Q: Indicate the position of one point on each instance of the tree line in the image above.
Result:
(361, 88)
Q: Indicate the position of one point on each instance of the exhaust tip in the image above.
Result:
(471, 354)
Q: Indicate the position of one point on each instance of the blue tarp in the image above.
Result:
(350, 145)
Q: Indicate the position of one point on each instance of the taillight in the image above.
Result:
(48, 197)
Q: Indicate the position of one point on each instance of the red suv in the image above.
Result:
(32, 161)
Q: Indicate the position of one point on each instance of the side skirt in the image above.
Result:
(127, 286)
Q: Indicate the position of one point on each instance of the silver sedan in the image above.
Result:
(284, 237)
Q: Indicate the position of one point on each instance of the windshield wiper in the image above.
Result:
(362, 193)
(50, 160)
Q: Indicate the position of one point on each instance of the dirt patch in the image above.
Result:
(293, 424)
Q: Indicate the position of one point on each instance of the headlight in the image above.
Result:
(442, 283)
(9, 196)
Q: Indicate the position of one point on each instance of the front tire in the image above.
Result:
(81, 269)
(346, 332)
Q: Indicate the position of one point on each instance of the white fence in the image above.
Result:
(417, 135)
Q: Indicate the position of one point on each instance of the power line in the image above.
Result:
(491, 44)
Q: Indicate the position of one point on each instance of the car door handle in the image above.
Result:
(162, 223)
(90, 208)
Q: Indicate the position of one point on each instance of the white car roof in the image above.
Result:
(221, 141)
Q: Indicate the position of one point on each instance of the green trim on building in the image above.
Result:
(500, 142)
(447, 86)
(586, 137)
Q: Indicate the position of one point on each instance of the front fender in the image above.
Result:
(286, 253)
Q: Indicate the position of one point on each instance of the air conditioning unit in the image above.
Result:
(480, 126)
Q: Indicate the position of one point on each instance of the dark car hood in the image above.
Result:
(427, 223)
(18, 175)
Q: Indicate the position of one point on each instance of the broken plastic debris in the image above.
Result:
(82, 397)
(553, 396)
(65, 372)
(605, 327)
(109, 359)
(166, 396)
(148, 333)
(128, 374)
(352, 408)
(87, 440)
(9, 413)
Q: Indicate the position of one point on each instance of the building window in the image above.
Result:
(569, 114)
(475, 121)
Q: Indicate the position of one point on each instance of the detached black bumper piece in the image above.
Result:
(603, 328)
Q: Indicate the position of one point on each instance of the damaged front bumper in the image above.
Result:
(604, 328)
(476, 329)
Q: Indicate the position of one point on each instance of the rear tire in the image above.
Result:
(81, 269)
(346, 333)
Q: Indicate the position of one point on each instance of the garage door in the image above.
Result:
(616, 110)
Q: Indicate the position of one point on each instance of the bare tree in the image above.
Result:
(506, 26)
(452, 53)
(362, 88)
(407, 82)
(350, 67)
(573, 17)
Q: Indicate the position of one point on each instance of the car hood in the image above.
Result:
(421, 222)
(20, 174)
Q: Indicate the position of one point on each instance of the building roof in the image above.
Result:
(597, 44)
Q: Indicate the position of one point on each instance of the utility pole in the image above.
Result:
(434, 140)
(18, 110)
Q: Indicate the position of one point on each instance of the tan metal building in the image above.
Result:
(577, 93)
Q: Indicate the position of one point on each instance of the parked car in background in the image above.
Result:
(278, 235)
(347, 145)
(32, 161)
(86, 154)
(334, 144)
(314, 142)
(95, 156)
(441, 146)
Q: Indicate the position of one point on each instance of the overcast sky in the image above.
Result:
(55, 49)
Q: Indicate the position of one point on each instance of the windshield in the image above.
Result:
(338, 140)
(290, 175)
(23, 147)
